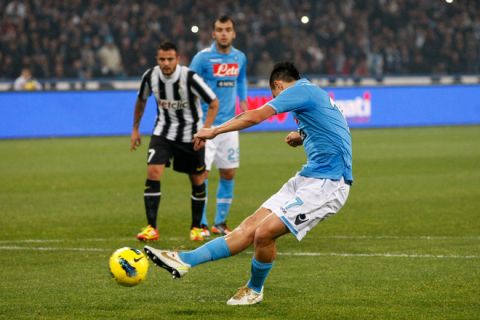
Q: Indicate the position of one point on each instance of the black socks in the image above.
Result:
(151, 198)
(199, 196)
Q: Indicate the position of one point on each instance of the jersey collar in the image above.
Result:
(213, 48)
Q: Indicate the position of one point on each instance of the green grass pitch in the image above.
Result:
(405, 246)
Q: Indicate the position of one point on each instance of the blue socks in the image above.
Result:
(218, 249)
(260, 272)
(204, 220)
(210, 251)
(224, 199)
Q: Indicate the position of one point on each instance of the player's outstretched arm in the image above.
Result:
(244, 105)
(294, 139)
(135, 138)
(241, 121)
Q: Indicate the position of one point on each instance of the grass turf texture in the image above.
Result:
(416, 198)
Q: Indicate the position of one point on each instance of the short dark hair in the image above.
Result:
(223, 19)
(285, 71)
(167, 45)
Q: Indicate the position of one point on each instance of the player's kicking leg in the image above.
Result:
(262, 227)
(169, 260)
(178, 263)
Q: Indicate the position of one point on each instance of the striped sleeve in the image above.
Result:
(201, 89)
(146, 86)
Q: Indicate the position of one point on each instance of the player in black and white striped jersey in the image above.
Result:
(177, 91)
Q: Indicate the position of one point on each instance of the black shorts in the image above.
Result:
(185, 159)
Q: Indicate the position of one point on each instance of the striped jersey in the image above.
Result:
(179, 112)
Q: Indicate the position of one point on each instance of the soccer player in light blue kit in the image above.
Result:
(319, 190)
(224, 70)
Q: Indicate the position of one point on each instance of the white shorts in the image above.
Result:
(303, 202)
(223, 150)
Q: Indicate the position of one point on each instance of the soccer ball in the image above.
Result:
(128, 266)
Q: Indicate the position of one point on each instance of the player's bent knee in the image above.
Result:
(263, 237)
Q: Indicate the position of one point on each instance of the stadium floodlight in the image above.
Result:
(305, 19)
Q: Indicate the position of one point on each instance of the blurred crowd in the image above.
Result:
(86, 39)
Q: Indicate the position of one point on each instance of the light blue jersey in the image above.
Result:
(227, 76)
(324, 130)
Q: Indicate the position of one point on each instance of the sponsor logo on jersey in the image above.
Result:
(226, 70)
(226, 83)
(172, 104)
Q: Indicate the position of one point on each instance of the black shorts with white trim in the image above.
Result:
(184, 158)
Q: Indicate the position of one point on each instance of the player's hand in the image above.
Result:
(135, 140)
(198, 143)
(199, 139)
(294, 139)
(243, 106)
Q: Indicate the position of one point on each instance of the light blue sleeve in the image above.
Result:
(291, 99)
(242, 84)
(197, 64)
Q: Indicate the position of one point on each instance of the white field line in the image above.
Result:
(80, 240)
(51, 249)
(400, 237)
(299, 254)
(338, 237)
(381, 255)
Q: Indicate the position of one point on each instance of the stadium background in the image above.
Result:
(407, 76)
(90, 39)
(403, 62)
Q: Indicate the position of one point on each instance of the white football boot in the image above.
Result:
(168, 260)
(245, 296)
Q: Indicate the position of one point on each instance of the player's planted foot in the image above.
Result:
(221, 229)
(196, 234)
(245, 296)
(148, 233)
(168, 260)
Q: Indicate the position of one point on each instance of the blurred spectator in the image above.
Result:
(110, 58)
(15, 8)
(26, 82)
(92, 38)
(264, 65)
